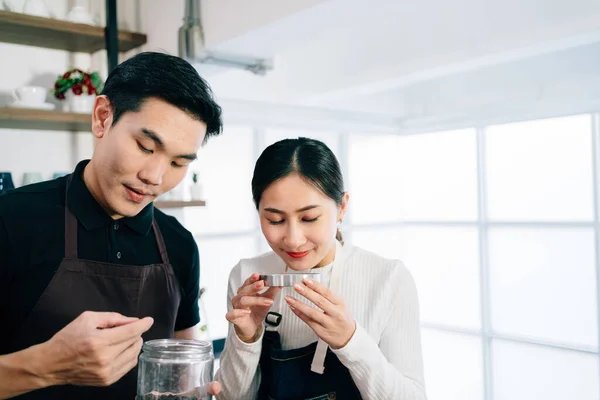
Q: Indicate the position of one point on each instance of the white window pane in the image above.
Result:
(217, 258)
(543, 283)
(527, 372)
(387, 242)
(374, 192)
(331, 139)
(419, 177)
(444, 263)
(540, 170)
(453, 366)
(225, 165)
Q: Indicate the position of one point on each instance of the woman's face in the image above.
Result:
(300, 222)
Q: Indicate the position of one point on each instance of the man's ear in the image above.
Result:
(102, 116)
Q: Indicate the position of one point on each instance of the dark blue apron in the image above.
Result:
(288, 375)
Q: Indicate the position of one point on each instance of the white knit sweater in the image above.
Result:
(384, 355)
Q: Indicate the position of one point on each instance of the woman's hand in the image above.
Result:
(250, 308)
(335, 325)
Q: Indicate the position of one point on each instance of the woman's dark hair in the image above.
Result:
(166, 77)
(309, 158)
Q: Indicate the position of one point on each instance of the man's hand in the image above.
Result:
(96, 349)
(214, 388)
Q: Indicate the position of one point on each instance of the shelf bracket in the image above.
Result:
(111, 35)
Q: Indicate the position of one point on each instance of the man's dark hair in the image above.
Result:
(166, 77)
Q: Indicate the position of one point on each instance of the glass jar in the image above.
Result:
(175, 369)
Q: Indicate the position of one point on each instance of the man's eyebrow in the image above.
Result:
(153, 135)
(191, 157)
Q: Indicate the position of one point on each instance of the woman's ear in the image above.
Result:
(343, 206)
(101, 116)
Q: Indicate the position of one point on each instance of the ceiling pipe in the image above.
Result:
(192, 46)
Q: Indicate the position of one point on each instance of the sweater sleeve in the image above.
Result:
(392, 368)
(239, 372)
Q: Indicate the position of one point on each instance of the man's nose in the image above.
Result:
(153, 173)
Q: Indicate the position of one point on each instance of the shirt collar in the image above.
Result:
(91, 215)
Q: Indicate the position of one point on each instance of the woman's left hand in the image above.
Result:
(335, 325)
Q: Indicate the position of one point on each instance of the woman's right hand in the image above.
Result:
(250, 308)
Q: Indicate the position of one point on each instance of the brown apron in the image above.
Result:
(85, 285)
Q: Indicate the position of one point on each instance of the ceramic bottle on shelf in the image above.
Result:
(197, 189)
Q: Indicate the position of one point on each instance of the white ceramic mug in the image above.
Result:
(57, 175)
(37, 8)
(31, 177)
(80, 15)
(32, 95)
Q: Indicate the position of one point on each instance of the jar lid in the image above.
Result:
(177, 348)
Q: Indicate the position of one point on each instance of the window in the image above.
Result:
(225, 166)
(453, 365)
(540, 170)
(444, 263)
(508, 293)
(418, 177)
(217, 258)
(524, 372)
(543, 284)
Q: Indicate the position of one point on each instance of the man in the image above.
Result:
(89, 269)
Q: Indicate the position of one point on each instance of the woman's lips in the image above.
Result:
(298, 255)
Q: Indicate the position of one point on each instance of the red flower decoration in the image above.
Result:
(78, 83)
(77, 89)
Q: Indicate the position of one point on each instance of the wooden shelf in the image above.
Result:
(30, 30)
(27, 118)
(179, 204)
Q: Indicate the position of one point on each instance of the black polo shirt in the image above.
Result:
(32, 246)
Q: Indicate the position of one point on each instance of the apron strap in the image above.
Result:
(70, 226)
(161, 243)
(318, 361)
(71, 232)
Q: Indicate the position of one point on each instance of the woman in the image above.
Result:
(364, 344)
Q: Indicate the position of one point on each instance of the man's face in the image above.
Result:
(144, 155)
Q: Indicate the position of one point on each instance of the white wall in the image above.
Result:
(49, 151)
(36, 150)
